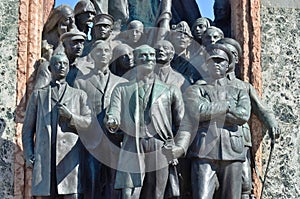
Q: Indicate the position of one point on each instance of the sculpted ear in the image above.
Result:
(172, 53)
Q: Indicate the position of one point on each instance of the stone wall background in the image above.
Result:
(8, 66)
(281, 91)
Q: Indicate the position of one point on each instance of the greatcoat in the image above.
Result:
(36, 137)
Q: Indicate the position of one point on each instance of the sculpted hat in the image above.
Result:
(182, 27)
(73, 34)
(84, 6)
(232, 42)
(103, 19)
(219, 51)
(135, 24)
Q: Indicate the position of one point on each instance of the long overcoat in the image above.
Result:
(36, 137)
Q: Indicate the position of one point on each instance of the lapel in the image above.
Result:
(133, 103)
(45, 97)
(96, 83)
(66, 95)
(157, 90)
(107, 89)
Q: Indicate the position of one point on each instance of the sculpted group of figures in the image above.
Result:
(122, 110)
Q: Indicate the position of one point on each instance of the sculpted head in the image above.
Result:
(212, 35)
(73, 43)
(103, 25)
(84, 14)
(123, 55)
(234, 46)
(144, 59)
(101, 53)
(164, 51)
(218, 60)
(59, 66)
(222, 10)
(199, 27)
(135, 30)
(66, 19)
(181, 36)
(60, 21)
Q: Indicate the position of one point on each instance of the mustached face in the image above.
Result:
(74, 48)
(145, 60)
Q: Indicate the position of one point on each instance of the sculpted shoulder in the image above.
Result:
(201, 82)
(239, 84)
(118, 79)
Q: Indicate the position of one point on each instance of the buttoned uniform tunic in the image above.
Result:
(37, 134)
(263, 113)
(216, 132)
(214, 115)
(257, 107)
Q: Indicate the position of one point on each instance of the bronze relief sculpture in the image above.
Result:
(160, 102)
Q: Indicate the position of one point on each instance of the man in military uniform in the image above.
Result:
(257, 107)
(181, 37)
(214, 113)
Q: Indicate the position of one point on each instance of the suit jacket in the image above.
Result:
(36, 137)
(257, 107)
(166, 109)
(172, 77)
(99, 95)
(214, 124)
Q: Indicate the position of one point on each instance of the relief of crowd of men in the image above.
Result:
(141, 109)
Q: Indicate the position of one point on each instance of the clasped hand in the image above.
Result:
(64, 111)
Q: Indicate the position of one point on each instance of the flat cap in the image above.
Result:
(73, 34)
(103, 19)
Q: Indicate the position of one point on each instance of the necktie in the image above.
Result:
(102, 80)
